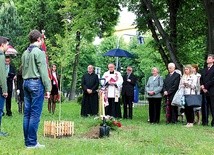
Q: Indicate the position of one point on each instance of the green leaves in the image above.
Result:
(91, 17)
(184, 24)
(40, 14)
(9, 22)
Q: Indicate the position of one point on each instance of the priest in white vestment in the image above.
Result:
(114, 82)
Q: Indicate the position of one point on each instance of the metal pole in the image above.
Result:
(145, 88)
(118, 41)
(118, 45)
(60, 101)
(117, 61)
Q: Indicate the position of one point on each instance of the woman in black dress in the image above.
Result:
(54, 97)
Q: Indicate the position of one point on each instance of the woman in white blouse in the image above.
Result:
(189, 83)
(197, 110)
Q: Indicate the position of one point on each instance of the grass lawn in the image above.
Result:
(135, 137)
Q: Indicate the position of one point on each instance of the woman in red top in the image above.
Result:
(54, 96)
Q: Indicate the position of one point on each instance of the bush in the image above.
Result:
(79, 99)
(63, 98)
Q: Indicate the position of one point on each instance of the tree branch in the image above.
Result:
(144, 11)
(165, 36)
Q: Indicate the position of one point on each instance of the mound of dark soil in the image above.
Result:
(93, 133)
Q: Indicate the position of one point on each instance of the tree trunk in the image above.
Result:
(209, 8)
(75, 68)
(173, 9)
(41, 21)
(165, 36)
(160, 48)
(144, 11)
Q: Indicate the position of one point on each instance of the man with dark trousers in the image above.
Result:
(170, 87)
(129, 81)
(10, 70)
(207, 86)
(90, 84)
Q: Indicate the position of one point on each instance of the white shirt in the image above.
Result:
(54, 75)
(7, 68)
(119, 81)
(154, 77)
(191, 80)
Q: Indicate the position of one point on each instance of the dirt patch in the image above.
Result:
(93, 133)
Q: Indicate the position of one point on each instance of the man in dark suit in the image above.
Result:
(207, 86)
(170, 87)
(10, 76)
(129, 81)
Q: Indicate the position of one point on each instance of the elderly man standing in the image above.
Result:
(3, 80)
(114, 82)
(129, 81)
(90, 83)
(170, 87)
(36, 83)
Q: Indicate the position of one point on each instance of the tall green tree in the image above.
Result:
(64, 55)
(9, 22)
(41, 15)
(10, 26)
(209, 7)
(173, 26)
(88, 19)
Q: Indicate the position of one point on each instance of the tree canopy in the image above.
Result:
(180, 38)
(181, 32)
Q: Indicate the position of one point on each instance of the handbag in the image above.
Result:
(178, 99)
(193, 100)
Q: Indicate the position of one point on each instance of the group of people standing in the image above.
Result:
(114, 84)
(191, 82)
(157, 88)
(37, 82)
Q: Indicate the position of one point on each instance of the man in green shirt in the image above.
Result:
(3, 80)
(36, 83)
